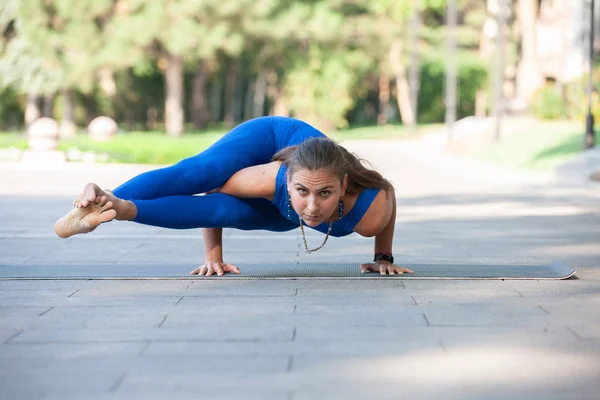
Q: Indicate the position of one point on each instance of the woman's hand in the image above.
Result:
(384, 268)
(215, 267)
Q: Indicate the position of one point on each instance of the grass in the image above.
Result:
(13, 139)
(145, 147)
(541, 148)
(158, 148)
(387, 132)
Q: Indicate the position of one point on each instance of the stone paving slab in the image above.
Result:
(165, 364)
(69, 351)
(53, 383)
(126, 335)
(89, 322)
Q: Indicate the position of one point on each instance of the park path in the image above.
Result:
(310, 339)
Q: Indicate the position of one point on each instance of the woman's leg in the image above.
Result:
(250, 143)
(216, 210)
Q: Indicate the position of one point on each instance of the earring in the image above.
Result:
(289, 205)
(341, 209)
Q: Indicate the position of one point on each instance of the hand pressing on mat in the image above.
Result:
(384, 268)
(215, 268)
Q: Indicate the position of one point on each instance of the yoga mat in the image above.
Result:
(555, 270)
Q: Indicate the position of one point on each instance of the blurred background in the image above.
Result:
(507, 81)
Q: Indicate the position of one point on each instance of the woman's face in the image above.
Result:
(315, 195)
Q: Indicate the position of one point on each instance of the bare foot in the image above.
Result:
(84, 220)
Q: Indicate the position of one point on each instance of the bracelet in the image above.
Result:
(384, 256)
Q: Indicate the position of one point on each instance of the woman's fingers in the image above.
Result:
(199, 270)
(231, 268)
(384, 269)
(215, 268)
(211, 271)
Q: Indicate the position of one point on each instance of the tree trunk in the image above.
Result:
(384, 97)
(48, 110)
(151, 119)
(215, 103)
(529, 75)
(413, 66)
(451, 50)
(174, 117)
(260, 92)
(32, 111)
(249, 100)
(107, 81)
(238, 94)
(200, 115)
(67, 125)
(403, 91)
(500, 68)
(230, 86)
(280, 106)
(485, 52)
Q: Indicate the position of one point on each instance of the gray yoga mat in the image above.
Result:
(555, 270)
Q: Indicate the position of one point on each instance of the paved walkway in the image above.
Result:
(305, 339)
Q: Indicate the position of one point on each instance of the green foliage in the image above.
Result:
(576, 94)
(11, 109)
(319, 86)
(472, 76)
(324, 56)
(548, 103)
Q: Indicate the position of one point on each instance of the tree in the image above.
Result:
(398, 27)
(54, 49)
(529, 76)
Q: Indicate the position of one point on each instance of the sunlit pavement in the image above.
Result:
(310, 339)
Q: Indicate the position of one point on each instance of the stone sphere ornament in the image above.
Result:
(43, 134)
(102, 128)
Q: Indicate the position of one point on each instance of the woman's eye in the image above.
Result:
(302, 191)
(325, 193)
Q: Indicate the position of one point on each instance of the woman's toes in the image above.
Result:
(107, 206)
(108, 215)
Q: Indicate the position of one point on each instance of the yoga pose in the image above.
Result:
(270, 173)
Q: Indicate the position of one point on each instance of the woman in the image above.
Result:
(270, 173)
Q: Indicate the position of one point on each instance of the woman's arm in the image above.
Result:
(384, 215)
(385, 238)
(213, 244)
(213, 255)
(253, 182)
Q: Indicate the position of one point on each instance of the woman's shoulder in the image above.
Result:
(377, 215)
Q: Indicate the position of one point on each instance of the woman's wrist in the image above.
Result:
(383, 256)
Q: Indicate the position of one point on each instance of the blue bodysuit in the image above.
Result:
(166, 197)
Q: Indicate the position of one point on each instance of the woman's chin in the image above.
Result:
(312, 222)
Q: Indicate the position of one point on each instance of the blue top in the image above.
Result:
(342, 227)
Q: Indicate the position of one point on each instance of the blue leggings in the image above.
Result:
(165, 197)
